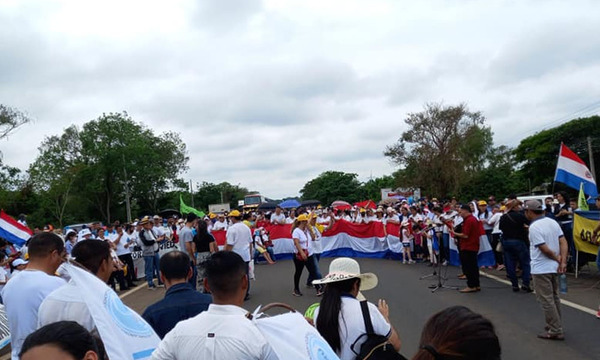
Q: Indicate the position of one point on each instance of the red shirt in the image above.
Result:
(473, 229)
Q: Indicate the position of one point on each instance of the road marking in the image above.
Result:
(562, 301)
(132, 290)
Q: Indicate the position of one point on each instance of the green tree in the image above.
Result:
(109, 160)
(372, 188)
(55, 170)
(10, 119)
(537, 155)
(333, 185)
(442, 149)
(208, 193)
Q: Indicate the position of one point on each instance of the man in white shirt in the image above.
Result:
(278, 217)
(239, 238)
(220, 224)
(24, 293)
(292, 217)
(548, 251)
(66, 303)
(158, 229)
(223, 331)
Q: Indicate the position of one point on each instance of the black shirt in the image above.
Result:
(512, 225)
(203, 241)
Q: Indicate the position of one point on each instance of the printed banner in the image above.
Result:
(138, 259)
(583, 228)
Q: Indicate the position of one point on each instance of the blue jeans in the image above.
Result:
(317, 272)
(598, 259)
(151, 268)
(446, 242)
(517, 250)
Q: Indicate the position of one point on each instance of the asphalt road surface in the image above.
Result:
(517, 316)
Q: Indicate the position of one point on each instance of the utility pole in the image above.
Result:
(192, 192)
(592, 167)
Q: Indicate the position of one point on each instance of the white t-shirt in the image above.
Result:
(3, 277)
(352, 325)
(290, 220)
(240, 237)
(221, 332)
(22, 296)
(303, 238)
(544, 231)
(220, 225)
(315, 245)
(159, 231)
(121, 249)
(278, 219)
(485, 220)
(65, 304)
(495, 220)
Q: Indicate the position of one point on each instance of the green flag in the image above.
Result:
(184, 209)
(581, 202)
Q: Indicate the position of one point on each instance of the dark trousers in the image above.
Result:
(119, 276)
(128, 260)
(299, 266)
(498, 255)
(516, 250)
(468, 260)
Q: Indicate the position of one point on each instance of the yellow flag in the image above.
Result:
(581, 202)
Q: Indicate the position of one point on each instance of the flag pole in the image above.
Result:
(556, 171)
(592, 167)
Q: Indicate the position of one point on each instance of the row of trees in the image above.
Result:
(449, 151)
(113, 166)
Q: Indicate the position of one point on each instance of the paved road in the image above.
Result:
(517, 317)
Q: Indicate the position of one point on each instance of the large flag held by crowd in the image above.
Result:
(12, 230)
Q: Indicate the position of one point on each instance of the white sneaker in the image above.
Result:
(411, 261)
(404, 261)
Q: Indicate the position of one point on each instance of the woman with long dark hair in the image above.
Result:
(458, 333)
(205, 245)
(338, 318)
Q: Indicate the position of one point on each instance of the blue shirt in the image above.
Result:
(181, 302)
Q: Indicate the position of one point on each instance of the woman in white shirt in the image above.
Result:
(303, 253)
(494, 220)
(339, 316)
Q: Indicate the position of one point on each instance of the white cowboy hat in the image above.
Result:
(345, 268)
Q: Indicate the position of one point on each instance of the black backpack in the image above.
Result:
(376, 347)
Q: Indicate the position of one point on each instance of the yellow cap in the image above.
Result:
(212, 215)
(481, 202)
(235, 213)
(302, 217)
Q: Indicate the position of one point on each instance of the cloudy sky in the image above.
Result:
(269, 94)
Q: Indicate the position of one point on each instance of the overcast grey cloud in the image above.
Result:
(268, 94)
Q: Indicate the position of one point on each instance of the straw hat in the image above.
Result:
(145, 220)
(345, 268)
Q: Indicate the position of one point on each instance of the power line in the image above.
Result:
(590, 109)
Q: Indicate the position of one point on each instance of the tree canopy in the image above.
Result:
(97, 164)
(443, 148)
(537, 155)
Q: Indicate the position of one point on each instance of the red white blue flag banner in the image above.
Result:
(12, 230)
(572, 171)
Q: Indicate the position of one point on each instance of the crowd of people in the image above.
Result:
(206, 288)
